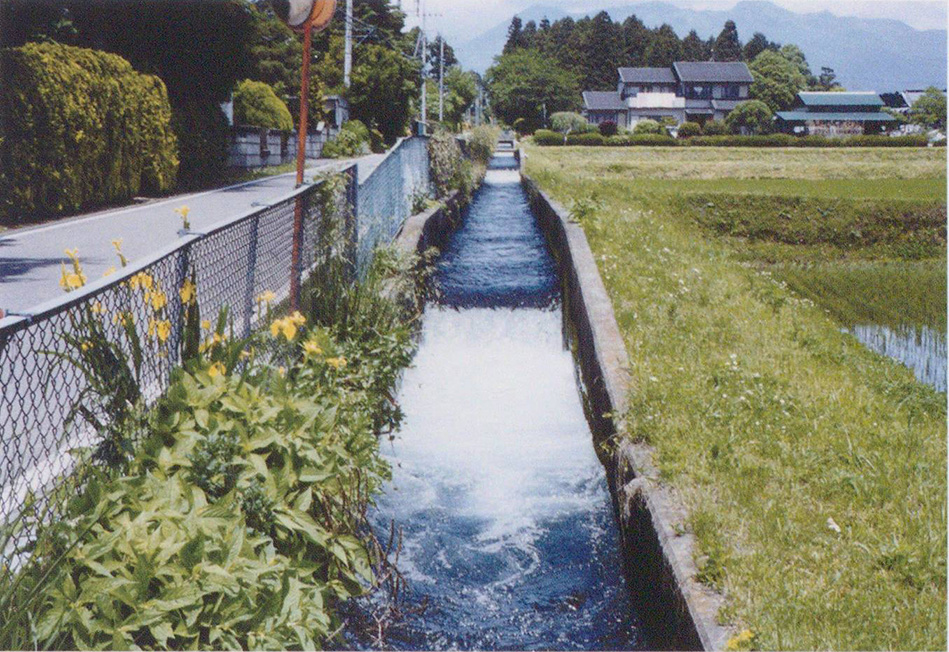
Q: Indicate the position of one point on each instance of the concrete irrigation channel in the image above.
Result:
(520, 527)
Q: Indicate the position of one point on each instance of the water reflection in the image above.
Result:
(921, 349)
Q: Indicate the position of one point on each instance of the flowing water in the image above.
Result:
(506, 516)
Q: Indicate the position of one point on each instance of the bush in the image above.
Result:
(568, 122)
(689, 129)
(80, 128)
(608, 129)
(752, 116)
(448, 171)
(482, 143)
(715, 128)
(257, 105)
(585, 139)
(547, 138)
(642, 140)
(203, 137)
(358, 128)
(647, 127)
(345, 144)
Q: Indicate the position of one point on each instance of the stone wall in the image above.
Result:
(255, 147)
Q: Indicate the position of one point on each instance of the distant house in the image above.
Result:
(835, 114)
(600, 107)
(696, 91)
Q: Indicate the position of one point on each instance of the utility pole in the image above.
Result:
(348, 61)
(441, 78)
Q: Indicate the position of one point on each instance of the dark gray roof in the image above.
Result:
(713, 71)
(803, 116)
(698, 104)
(647, 76)
(726, 105)
(603, 101)
(840, 99)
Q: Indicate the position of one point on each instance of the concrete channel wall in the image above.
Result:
(679, 612)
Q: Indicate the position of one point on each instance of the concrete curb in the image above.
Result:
(658, 556)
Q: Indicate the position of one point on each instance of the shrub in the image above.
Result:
(448, 169)
(689, 129)
(586, 139)
(79, 128)
(608, 129)
(642, 140)
(568, 122)
(256, 104)
(753, 117)
(715, 128)
(647, 127)
(545, 137)
(203, 137)
(482, 143)
(358, 128)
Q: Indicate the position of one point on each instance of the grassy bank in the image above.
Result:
(812, 469)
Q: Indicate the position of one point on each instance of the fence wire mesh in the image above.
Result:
(62, 390)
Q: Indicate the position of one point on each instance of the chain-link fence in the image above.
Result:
(388, 196)
(70, 369)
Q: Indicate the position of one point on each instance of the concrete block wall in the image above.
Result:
(254, 147)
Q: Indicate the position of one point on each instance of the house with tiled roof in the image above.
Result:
(689, 90)
(835, 114)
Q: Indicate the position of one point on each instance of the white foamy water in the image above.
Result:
(494, 416)
(507, 520)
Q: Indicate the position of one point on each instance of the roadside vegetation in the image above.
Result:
(813, 470)
(231, 514)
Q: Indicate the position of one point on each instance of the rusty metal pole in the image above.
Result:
(296, 255)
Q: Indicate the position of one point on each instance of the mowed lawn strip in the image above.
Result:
(814, 471)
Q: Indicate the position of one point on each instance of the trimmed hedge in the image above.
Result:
(550, 139)
(689, 129)
(256, 104)
(80, 128)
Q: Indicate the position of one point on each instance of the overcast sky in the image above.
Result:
(461, 20)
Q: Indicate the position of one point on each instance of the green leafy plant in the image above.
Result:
(256, 104)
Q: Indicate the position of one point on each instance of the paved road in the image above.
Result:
(30, 258)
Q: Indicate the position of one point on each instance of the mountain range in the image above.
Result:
(868, 54)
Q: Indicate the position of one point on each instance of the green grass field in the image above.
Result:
(814, 471)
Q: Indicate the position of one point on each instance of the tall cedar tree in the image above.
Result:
(603, 48)
(694, 48)
(514, 40)
(727, 46)
(664, 48)
(758, 44)
(637, 37)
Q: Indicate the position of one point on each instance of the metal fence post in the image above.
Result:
(352, 221)
(251, 275)
(181, 276)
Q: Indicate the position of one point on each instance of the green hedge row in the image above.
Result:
(548, 138)
(79, 128)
